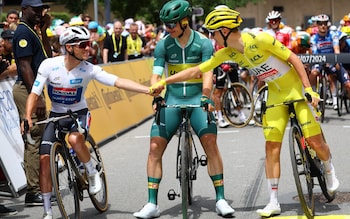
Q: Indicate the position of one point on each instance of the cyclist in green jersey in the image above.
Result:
(180, 49)
(285, 75)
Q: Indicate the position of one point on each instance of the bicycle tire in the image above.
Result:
(258, 105)
(64, 182)
(100, 199)
(185, 173)
(301, 172)
(323, 95)
(238, 105)
(339, 91)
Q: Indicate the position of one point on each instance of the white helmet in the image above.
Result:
(74, 33)
(273, 15)
(322, 17)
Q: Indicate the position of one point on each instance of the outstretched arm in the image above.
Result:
(130, 85)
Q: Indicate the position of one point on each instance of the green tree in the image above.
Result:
(75, 8)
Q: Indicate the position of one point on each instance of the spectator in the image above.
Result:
(95, 56)
(29, 51)
(135, 43)
(114, 47)
(76, 21)
(86, 19)
(127, 23)
(11, 19)
(7, 55)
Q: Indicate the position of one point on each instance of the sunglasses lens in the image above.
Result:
(322, 23)
(170, 25)
(84, 44)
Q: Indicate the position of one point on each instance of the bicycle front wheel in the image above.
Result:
(301, 171)
(100, 199)
(64, 183)
(186, 185)
(238, 105)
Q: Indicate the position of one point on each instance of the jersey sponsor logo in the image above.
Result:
(23, 43)
(253, 48)
(65, 95)
(256, 58)
(36, 83)
(76, 81)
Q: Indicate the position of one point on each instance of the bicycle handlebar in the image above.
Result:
(70, 114)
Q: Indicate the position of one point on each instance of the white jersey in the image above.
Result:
(66, 88)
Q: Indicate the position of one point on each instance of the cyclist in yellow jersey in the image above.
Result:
(285, 75)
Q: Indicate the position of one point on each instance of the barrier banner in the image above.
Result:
(12, 146)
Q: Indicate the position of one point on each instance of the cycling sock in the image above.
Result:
(219, 115)
(328, 165)
(153, 186)
(334, 98)
(218, 181)
(47, 202)
(90, 167)
(272, 186)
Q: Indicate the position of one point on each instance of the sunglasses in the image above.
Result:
(170, 25)
(82, 44)
(272, 21)
(320, 23)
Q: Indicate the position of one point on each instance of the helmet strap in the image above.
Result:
(225, 37)
(72, 54)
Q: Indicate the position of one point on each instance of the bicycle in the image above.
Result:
(187, 158)
(260, 104)
(237, 102)
(305, 163)
(342, 99)
(69, 178)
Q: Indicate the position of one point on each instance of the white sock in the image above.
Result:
(334, 97)
(272, 186)
(328, 165)
(219, 115)
(47, 202)
(89, 166)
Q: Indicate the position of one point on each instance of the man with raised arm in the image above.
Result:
(66, 78)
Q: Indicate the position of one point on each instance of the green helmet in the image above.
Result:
(173, 11)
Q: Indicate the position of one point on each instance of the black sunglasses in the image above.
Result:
(82, 44)
(170, 25)
(322, 23)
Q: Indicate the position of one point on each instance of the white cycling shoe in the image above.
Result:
(47, 215)
(270, 210)
(223, 124)
(150, 210)
(95, 184)
(223, 208)
(331, 181)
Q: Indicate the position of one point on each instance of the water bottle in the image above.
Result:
(80, 165)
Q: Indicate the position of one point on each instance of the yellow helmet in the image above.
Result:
(222, 17)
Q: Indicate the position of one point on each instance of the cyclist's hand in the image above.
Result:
(156, 88)
(206, 100)
(315, 97)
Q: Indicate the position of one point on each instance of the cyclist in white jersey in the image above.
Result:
(66, 78)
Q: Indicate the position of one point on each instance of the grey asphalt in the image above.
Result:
(242, 151)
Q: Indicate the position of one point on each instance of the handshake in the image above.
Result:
(156, 88)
